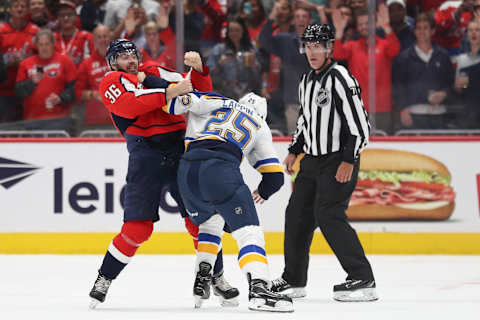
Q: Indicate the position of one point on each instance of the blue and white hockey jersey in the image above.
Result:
(213, 116)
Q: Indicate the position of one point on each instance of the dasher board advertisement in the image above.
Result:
(404, 186)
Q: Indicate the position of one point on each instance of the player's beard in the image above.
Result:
(132, 68)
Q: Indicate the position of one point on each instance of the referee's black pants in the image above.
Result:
(319, 200)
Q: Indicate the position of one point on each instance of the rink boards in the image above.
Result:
(64, 196)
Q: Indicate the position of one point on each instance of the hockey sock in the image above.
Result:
(252, 257)
(193, 230)
(124, 246)
(209, 238)
(218, 267)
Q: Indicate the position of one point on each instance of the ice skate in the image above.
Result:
(227, 294)
(201, 287)
(355, 291)
(262, 299)
(281, 286)
(99, 290)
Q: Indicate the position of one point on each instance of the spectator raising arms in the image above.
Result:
(286, 46)
(116, 11)
(356, 54)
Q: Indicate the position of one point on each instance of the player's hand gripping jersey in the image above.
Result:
(215, 117)
(138, 111)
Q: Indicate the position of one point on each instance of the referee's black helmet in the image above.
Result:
(318, 33)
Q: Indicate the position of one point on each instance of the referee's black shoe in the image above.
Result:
(355, 291)
(280, 285)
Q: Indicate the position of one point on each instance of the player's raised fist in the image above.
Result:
(141, 76)
(185, 86)
(180, 88)
(193, 59)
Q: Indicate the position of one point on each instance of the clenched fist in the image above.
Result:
(181, 88)
(193, 59)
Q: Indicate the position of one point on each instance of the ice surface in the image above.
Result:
(160, 287)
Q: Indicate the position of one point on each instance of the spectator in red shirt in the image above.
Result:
(45, 83)
(452, 19)
(16, 44)
(155, 50)
(356, 54)
(70, 41)
(90, 73)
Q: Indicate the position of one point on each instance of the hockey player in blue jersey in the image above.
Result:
(220, 131)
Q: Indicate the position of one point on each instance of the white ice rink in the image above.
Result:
(159, 287)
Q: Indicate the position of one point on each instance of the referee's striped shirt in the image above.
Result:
(331, 117)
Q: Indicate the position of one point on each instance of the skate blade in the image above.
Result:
(233, 302)
(296, 293)
(360, 295)
(281, 306)
(93, 304)
(198, 301)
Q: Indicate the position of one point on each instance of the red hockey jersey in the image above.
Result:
(138, 111)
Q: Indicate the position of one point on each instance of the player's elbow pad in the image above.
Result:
(271, 183)
(154, 82)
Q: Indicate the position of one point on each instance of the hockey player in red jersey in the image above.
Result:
(201, 81)
(155, 144)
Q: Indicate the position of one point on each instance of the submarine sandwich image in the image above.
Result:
(401, 185)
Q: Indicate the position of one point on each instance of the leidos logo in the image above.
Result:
(82, 197)
(12, 172)
(86, 197)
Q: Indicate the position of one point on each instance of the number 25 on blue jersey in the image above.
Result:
(241, 124)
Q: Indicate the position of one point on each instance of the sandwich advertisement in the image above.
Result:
(403, 186)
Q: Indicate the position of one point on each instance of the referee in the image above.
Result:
(332, 129)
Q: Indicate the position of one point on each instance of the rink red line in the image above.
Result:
(276, 139)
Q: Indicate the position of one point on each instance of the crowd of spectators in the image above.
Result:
(427, 59)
